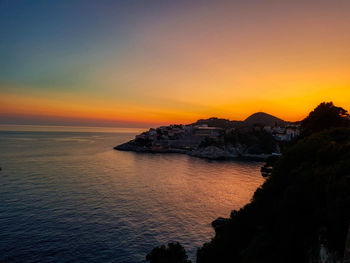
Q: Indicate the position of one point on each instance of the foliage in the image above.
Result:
(142, 142)
(307, 193)
(217, 122)
(254, 138)
(173, 253)
(210, 142)
(323, 117)
(306, 199)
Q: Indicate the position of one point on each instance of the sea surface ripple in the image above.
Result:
(69, 197)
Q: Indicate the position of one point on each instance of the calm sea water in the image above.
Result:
(69, 197)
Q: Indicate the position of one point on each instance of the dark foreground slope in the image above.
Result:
(301, 213)
(302, 207)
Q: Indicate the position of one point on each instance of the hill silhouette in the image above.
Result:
(264, 119)
(256, 118)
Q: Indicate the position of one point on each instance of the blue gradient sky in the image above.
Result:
(141, 63)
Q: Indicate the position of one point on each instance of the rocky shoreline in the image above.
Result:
(209, 152)
(216, 139)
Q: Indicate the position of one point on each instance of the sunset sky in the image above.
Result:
(143, 63)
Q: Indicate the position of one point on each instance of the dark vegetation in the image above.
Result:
(306, 196)
(210, 142)
(326, 115)
(173, 253)
(142, 142)
(303, 203)
(218, 122)
(250, 139)
(254, 138)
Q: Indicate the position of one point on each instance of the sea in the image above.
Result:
(67, 196)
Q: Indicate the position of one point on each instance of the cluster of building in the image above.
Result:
(286, 133)
(178, 136)
(190, 136)
(171, 132)
(176, 132)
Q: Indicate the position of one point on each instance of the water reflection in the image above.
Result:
(72, 198)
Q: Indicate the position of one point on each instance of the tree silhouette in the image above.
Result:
(303, 205)
(173, 253)
(323, 117)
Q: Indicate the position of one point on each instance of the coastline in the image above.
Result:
(209, 152)
(217, 139)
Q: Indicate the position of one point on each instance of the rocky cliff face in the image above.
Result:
(208, 152)
(228, 152)
(211, 152)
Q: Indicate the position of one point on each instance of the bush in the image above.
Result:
(324, 116)
(173, 253)
(307, 195)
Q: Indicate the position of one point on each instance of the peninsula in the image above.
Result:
(258, 137)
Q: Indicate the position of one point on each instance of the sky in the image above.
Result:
(138, 63)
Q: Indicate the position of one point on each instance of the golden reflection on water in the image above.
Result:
(118, 201)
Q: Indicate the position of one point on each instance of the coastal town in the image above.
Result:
(211, 139)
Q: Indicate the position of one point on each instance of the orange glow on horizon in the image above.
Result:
(228, 60)
(284, 108)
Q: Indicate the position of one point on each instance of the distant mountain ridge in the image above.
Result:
(264, 119)
(261, 118)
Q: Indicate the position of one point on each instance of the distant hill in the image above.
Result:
(256, 118)
(264, 119)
